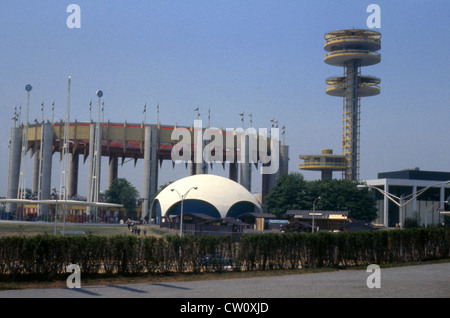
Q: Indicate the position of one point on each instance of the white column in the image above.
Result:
(14, 167)
(150, 183)
(386, 205)
(47, 152)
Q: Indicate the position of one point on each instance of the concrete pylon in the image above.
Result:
(113, 169)
(46, 162)
(246, 167)
(73, 174)
(90, 166)
(150, 183)
(284, 160)
(94, 172)
(15, 147)
(36, 172)
(233, 173)
(270, 180)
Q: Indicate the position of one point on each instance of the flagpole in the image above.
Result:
(53, 112)
(145, 113)
(90, 111)
(42, 111)
(198, 112)
(157, 114)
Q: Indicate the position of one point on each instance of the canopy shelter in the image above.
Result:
(323, 219)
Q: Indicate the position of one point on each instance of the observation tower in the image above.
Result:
(325, 162)
(352, 49)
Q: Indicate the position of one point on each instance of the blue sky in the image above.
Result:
(263, 57)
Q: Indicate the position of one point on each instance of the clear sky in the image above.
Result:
(263, 57)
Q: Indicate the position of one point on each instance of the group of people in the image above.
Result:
(134, 229)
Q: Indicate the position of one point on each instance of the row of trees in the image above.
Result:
(293, 192)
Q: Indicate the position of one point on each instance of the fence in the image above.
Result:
(202, 229)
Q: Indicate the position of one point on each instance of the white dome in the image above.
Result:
(220, 192)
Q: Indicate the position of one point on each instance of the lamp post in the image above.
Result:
(403, 200)
(314, 212)
(182, 197)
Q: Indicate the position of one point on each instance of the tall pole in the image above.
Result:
(23, 172)
(53, 112)
(90, 111)
(23, 162)
(97, 153)
(65, 168)
(314, 213)
(157, 115)
(182, 197)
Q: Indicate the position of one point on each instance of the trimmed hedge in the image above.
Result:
(46, 257)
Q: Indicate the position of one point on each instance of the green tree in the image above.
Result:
(123, 192)
(343, 195)
(162, 187)
(293, 192)
(289, 193)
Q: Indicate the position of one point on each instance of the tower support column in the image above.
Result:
(15, 147)
(90, 167)
(113, 169)
(284, 160)
(73, 175)
(350, 145)
(246, 168)
(36, 173)
(47, 153)
(150, 183)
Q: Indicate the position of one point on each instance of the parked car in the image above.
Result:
(215, 261)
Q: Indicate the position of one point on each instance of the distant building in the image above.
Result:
(215, 196)
(323, 220)
(425, 208)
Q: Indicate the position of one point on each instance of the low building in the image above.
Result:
(323, 220)
(201, 224)
(257, 220)
(211, 195)
(423, 196)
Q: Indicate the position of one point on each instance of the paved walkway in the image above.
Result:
(421, 281)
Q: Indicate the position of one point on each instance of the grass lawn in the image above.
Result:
(33, 228)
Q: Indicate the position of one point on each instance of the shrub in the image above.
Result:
(45, 257)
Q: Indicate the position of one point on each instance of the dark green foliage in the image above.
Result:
(292, 192)
(410, 222)
(45, 257)
(122, 192)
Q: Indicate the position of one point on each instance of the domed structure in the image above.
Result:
(215, 196)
